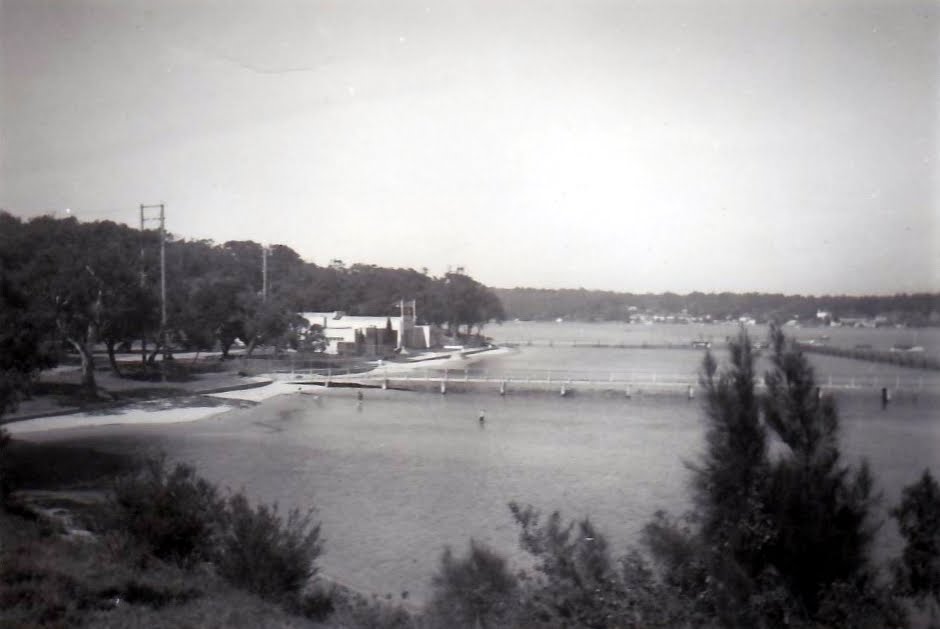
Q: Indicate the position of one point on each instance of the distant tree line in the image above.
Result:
(595, 305)
(71, 285)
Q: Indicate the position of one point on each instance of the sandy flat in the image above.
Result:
(137, 415)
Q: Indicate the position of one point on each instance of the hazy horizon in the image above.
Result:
(439, 273)
(624, 145)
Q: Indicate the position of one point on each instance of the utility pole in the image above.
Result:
(143, 273)
(264, 273)
(162, 219)
(143, 284)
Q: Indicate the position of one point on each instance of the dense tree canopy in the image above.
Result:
(99, 282)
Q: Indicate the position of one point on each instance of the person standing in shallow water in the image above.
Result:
(482, 416)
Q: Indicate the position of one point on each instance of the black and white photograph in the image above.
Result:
(446, 314)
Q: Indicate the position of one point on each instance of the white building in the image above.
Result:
(352, 334)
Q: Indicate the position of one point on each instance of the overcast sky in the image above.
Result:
(749, 145)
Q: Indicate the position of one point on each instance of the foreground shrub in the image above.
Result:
(173, 514)
(578, 583)
(474, 590)
(265, 554)
(179, 516)
(917, 573)
(355, 610)
(317, 601)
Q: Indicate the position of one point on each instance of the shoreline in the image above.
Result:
(209, 404)
(153, 412)
(212, 403)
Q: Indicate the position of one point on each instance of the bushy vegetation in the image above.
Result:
(265, 553)
(175, 514)
(178, 516)
(51, 582)
(917, 573)
(360, 612)
(476, 589)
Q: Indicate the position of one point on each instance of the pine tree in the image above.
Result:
(728, 481)
(917, 574)
(819, 507)
(783, 537)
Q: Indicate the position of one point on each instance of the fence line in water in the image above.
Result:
(572, 377)
(598, 343)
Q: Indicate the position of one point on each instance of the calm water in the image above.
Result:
(603, 362)
(407, 473)
(682, 334)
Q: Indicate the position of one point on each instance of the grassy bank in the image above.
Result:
(50, 579)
